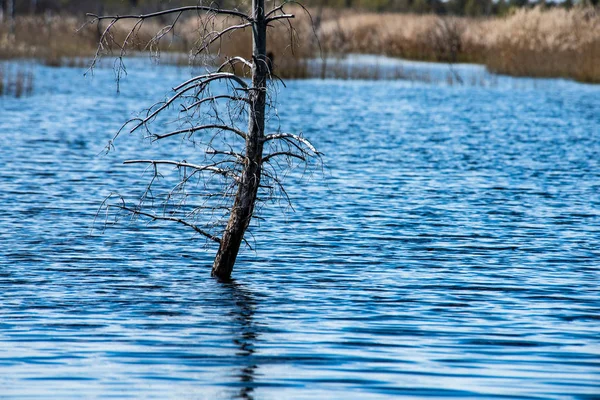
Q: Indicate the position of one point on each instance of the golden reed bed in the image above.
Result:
(529, 42)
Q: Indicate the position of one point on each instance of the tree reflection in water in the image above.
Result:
(245, 332)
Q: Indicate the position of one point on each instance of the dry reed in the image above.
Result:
(60, 40)
(16, 80)
(46, 38)
(553, 43)
(529, 42)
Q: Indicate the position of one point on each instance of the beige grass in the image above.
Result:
(529, 42)
(57, 39)
(546, 43)
(48, 39)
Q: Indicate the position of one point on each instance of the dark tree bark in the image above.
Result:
(243, 207)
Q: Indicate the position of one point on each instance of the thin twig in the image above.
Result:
(174, 219)
(173, 11)
(212, 168)
(300, 139)
(283, 153)
(201, 128)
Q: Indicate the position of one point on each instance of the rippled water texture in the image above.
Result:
(450, 248)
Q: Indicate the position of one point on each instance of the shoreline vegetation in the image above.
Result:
(534, 42)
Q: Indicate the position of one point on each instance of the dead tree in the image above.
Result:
(240, 168)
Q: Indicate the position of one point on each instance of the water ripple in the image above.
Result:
(449, 249)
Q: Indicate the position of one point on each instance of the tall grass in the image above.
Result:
(45, 38)
(58, 40)
(555, 43)
(415, 37)
(528, 42)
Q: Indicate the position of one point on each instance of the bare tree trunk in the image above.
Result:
(243, 206)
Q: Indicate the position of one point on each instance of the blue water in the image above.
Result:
(450, 247)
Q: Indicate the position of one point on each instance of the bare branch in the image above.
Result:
(100, 45)
(201, 128)
(283, 153)
(166, 218)
(282, 16)
(212, 77)
(212, 168)
(105, 205)
(131, 32)
(206, 9)
(180, 92)
(219, 34)
(281, 187)
(160, 34)
(300, 139)
(287, 18)
(234, 60)
(276, 9)
(238, 156)
(213, 98)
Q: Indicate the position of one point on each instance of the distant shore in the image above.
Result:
(528, 42)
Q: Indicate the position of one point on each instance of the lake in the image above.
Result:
(450, 247)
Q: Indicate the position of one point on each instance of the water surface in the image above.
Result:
(449, 248)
